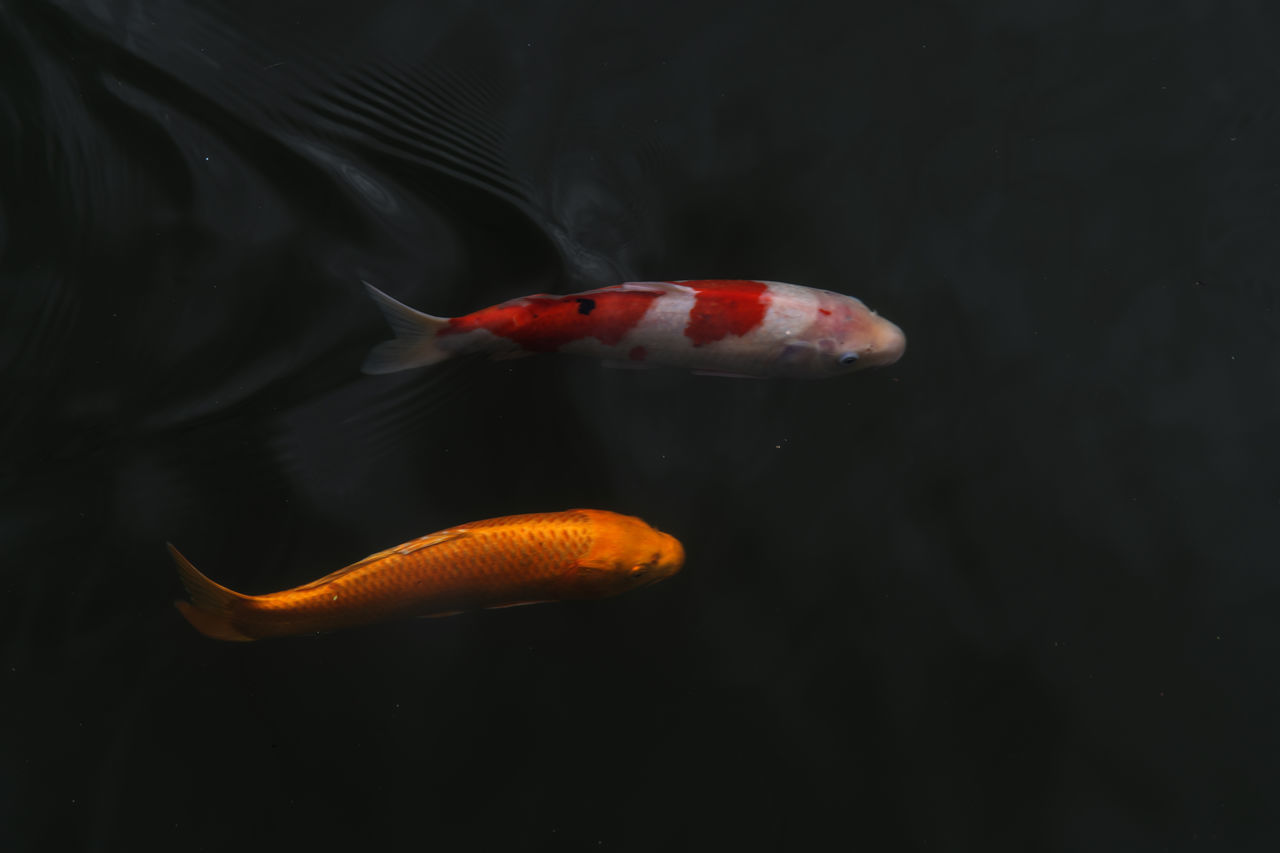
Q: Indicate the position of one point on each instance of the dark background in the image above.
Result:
(1018, 591)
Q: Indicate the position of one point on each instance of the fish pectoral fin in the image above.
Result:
(627, 365)
(725, 374)
(401, 550)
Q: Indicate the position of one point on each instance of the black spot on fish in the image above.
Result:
(586, 306)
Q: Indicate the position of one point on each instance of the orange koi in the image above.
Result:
(498, 562)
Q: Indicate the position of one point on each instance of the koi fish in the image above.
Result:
(718, 327)
(498, 562)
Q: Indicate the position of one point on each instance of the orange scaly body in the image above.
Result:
(498, 562)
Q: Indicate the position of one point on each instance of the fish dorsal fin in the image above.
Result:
(651, 287)
(410, 547)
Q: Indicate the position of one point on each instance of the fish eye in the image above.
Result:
(641, 568)
(849, 358)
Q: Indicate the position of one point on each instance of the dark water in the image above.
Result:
(1017, 592)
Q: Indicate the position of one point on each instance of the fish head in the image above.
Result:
(844, 336)
(625, 554)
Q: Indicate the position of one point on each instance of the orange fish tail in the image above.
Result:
(212, 606)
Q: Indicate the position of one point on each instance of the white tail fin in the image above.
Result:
(415, 341)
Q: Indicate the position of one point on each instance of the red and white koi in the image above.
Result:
(722, 327)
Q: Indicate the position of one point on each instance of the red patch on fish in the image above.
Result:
(722, 308)
(546, 323)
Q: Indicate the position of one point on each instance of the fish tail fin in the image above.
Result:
(212, 606)
(415, 342)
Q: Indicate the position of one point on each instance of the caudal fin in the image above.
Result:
(211, 605)
(415, 341)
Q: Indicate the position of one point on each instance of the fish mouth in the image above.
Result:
(672, 559)
(675, 558)
(888, 343)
